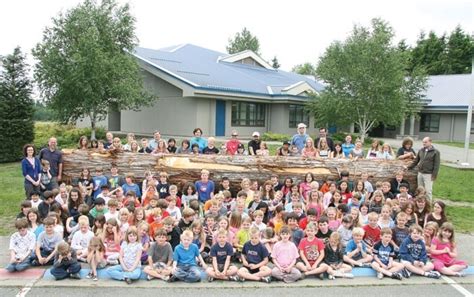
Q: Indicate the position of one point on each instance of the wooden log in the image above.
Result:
(184, 168)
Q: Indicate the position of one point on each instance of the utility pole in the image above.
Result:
(469, 117)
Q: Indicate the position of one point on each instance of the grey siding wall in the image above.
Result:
(452, 127)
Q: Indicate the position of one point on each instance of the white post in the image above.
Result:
(412, 125)
(469, 116)
(352, 128)
(402, 127)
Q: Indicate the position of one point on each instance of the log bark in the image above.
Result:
(186, 168)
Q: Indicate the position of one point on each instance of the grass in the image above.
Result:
(455, 144)
(461, 217)
(11, 195)
(454, 184)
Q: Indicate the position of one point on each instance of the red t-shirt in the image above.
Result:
(312, 249)
(372, 235)
(232, 146)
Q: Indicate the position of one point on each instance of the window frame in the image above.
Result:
(427, 123)
(248, 114)
(299, 115)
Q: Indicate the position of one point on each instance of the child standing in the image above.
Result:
(160, 257)
(444, 252)
(284, 255)
(65, 263)
(384, 252)
(130, 254)
(311, 251)
(255, 259)
(184, 260)
(221, 253)
(22, 244)
(413, 255)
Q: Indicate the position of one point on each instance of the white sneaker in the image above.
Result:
(379, 275)
(338, 273)
(348, 275)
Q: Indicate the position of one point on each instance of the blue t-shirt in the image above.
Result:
(186, 256)
(204, 190)
(99, 181)
(299, 141)
(351, 245)
(221, 253)
(201, 142)
(347, 148)
(384, 252)
(254, 253)
(132, 187)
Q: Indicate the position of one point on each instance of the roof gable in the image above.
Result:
(246, 57)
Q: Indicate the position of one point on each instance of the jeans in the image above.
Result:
(188, 273)
(116, 272)
(44, 254)
(64, 271)
(12, 267)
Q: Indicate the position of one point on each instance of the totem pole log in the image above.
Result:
(185, 168)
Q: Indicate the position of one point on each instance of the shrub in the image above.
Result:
(67, 135)
(270, 136)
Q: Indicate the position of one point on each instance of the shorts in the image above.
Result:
(220, 267)
(159, 265)
(252, 271)
(438, 264)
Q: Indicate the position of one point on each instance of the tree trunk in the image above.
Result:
(187, 168)
(93, 127)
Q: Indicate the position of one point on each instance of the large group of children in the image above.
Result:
(283, 231)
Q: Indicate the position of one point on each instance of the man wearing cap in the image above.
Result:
(299, 139)
(55, 158)
(254, 144)
(232, 144)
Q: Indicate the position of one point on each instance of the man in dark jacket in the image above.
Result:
(427, 163)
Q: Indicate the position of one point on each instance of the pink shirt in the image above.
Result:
(285, 253)
(439, 245)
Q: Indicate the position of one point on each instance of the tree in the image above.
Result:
(16, 106)
(304, 69)
(366, 81)
(459, 50)
(275, 63)
(84, 63)
(430, 53)
(243, 41)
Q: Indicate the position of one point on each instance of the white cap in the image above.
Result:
(301, 125)
(256, 134)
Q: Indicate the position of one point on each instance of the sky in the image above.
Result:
(296, 31)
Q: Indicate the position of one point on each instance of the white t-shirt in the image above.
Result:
(80, 241)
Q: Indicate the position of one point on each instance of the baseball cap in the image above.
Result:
(256, 134)
(301, 125)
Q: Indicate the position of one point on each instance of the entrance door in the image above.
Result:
(220, 118)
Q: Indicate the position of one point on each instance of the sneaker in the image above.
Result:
(172, 279)
(149, 277)
(379, 275)
(406, 273)
(89, 275)
(303, 276)
(348, 275)
(95, 278)
(112, 262)
(396, 275)
(321, 276)
(338, 273)
(461, 274)
(234, 278)
(331, 277)
(75, 276)
(266, 279)
(241, 279)
(128, 281)
(210, 279)
(433, 274)
(165, 278)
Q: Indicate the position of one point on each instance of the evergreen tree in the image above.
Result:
(16, 106)
(460, 49)
(243, 41)
(275, 63)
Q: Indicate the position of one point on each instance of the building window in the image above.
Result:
(297, 115)
(429, 122)
(248, 114)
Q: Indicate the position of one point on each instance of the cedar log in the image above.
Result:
(186, 168)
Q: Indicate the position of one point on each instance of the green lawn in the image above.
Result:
(454, 184)
(455, 144)
(461, 217)
(11, 195)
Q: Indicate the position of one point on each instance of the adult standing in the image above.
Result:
(427, 163)
(153, 143)
(198, 139)
(254, 144)
(55, 158)
(323, 133)
(31, 169)
(299, 139)
(233, 144)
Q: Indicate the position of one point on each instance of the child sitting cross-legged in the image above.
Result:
(357, 253)
(184, 260)
(312, 253)
(384, 252)
(284, 255)
(334, 256)
(413, 255)
(160, 257)
(255, 259)
(22, 244)
(46, 244)
(221, 253)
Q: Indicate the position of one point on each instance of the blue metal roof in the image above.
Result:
(203, 69)
(449, 90)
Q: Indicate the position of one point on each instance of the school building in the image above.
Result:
(219, 92)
